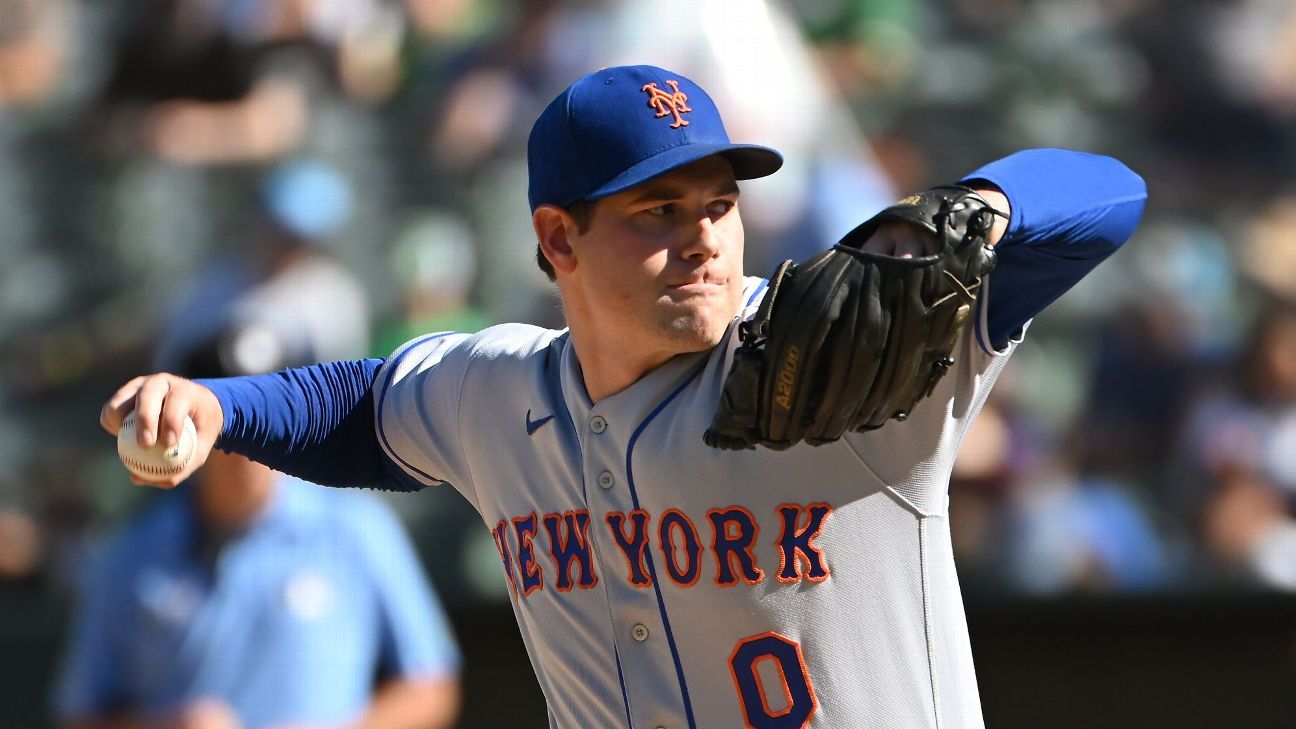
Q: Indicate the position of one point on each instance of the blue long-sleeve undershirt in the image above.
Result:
(1070, 210)
(316, 423)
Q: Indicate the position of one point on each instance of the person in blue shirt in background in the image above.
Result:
(251, 600)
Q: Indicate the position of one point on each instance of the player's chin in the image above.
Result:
(698, 331)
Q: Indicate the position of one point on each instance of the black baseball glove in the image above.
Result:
(850, 339)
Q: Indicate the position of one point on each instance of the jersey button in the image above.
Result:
(598, 424)
(607, 480)
(639, 632)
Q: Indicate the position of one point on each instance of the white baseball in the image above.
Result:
(156, 462)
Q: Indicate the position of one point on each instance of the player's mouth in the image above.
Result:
(697, 285)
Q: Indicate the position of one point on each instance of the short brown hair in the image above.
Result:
(582, 211)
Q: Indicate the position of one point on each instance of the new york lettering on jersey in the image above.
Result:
(682, 547)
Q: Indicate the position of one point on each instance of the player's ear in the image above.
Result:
(555, 228)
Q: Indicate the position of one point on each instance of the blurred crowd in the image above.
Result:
(373, 152)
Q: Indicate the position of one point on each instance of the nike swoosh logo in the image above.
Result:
(534, 425)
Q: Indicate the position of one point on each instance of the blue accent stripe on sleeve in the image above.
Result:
(382, 397)
(756, 294)
(652, 570)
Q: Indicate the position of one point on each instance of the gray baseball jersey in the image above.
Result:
(661, 583)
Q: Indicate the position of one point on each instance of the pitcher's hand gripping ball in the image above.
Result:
(851, 339)
(156, 462)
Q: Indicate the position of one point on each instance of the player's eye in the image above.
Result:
(720, 207)
(661, 210)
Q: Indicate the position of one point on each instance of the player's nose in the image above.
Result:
(704, 240)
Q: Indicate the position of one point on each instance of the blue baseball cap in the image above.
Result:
(615, 128)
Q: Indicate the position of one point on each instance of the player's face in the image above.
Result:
(663, 261)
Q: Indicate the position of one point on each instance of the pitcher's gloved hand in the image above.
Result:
(852, 338)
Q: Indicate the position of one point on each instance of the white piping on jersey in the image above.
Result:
(899, 497)
(625, 695)
(928, 624)
(904, 501)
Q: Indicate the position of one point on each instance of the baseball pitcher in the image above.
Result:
(718, 500)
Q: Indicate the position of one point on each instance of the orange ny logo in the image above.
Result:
(673, 103)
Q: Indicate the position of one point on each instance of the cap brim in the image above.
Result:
(749, 162)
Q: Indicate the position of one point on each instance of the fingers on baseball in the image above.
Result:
(149, 401)
(119, 405)
(174, 412)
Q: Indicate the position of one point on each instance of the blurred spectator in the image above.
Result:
(202, 96)
(37, 43)
(20, 546)
(189, 83)
(1072, 531)
(33, 49)
(1279, 73)
(434, 264)
(1143, 372)
(64, 506)
(246, 599)
(1241, 446)
(1268, 255)
(871, 49)
(282, 297)
(1205, 113)
(1035, 514)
